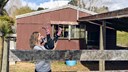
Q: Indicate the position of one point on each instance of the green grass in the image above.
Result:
(61, 66)
(122, 38)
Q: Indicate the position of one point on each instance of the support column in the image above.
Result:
(103, 36)
(85, 35)
(102, 45)
(69, 32)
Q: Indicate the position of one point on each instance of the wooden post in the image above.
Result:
(8, 49)
(85, 35)
(5, 59)
(53, 31)
(75, 33)
(69, 32)
(1, 53)
(102, 45)
(101, 65)
(1, 49)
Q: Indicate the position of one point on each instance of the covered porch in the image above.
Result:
(107, 24)
(101, 29)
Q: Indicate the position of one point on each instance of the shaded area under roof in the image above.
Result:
(116, 19)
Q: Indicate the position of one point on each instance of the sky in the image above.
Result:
(112, 4)
(34, 4)
(116, 4)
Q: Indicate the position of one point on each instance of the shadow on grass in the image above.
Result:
(109, 65)
(91, 65)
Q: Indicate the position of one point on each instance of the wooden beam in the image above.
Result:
(122, 13)
(64, 22)
(82, 55)
(91, 18)
(99, 24)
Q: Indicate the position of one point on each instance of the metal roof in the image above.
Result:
(54, 9)
(115, 19)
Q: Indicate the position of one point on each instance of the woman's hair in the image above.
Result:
(33, 39)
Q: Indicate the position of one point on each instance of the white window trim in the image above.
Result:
(69, 33)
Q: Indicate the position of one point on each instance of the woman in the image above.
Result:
(37, 44)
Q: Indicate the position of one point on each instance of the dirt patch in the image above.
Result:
(58, 66)
(22, 67)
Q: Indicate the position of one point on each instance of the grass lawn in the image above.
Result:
(122, 38)
(56, 66)
(61, 66)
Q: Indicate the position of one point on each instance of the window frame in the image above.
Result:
(69, 37)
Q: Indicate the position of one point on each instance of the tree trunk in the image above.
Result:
(1, 11)
(2, 4)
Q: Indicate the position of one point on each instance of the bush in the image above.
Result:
(5, 25)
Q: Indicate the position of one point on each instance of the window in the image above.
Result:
(70, 31)
(77, 31)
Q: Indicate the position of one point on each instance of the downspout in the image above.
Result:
(78, 3)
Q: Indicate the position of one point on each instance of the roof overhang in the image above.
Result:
(54, 9)
(116, 19)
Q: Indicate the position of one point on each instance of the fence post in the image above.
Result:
(5, 59)
(102, 65)
(1, 49)
(0, 53)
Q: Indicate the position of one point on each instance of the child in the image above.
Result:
(49, 44)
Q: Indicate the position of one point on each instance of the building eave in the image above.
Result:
(54, 9)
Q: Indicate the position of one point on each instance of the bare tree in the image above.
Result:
(12, 5)
(2, 4)
(92, 5)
